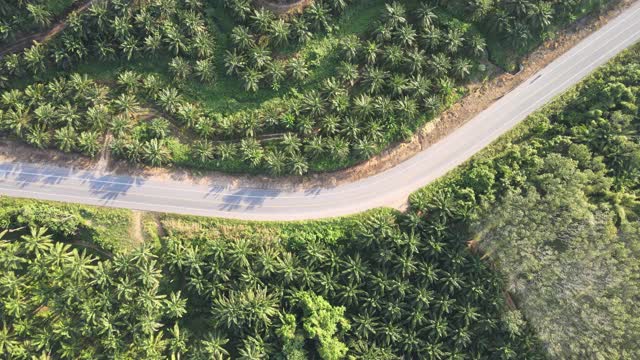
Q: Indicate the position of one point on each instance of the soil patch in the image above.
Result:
(284, 8)
(135, 231)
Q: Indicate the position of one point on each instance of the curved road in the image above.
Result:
(389, 188)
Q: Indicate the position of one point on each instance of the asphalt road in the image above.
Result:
(389, 188)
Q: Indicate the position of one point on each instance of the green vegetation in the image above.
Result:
(553, 206)
(86, 226)
(560, 215)
(21, 17)
(229, 85)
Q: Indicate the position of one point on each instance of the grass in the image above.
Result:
(291, 232)
(58, 7)
(107, 228)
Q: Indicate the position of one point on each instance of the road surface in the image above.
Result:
(389, 188)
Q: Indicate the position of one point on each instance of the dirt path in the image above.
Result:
(135, 231)
(283, 9)
(43, 36)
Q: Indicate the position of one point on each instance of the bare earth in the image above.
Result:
(479, 97)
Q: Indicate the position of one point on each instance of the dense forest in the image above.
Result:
(530, 250)
(229, 85)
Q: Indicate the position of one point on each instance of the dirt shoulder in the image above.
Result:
(479, 97)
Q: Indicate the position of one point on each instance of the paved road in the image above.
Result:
(389, 188)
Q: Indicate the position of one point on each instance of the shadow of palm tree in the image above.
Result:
(247, 199)
(111, 187)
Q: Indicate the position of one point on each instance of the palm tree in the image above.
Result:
(375, 78)
(406, 35)
(234, 62)
(202, 45)
(174, 39)
(88, 143)
(455, 40)
(18, 119)
(279, 32)
(119, 125)
(156, 153)
(129, 80)
(97, 117)
(39, 14)
(37, 242)
(416, 60)
(45, 114)
(251, 78)
(153, 42)
(276, 161)
(350, 45)
(315, 147)
(276, 71)
(301, 29)
(35, 57)
(203, 151)
(129, 46)
(252, 152)
(477, 45)
(317, 14)
(212, 346)
(225, 151)
(394, 55)
(242, 38)
(519, 35)
(440, 64)
(204, 69)
(65, 138)
(338, 148)
(395, 14)
(299, 165)
(461, 68)
(541, 15)
(291, 143)
(180, 68)
(262, 20)
(348, 73)
(370, 52)
(426, 14)
(170, 100)
(259, 56)
(127, 104)
(364, 147)
(330, 124)
(298, 68)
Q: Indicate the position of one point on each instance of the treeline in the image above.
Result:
(561, 216)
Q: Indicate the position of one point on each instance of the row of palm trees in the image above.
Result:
(109, 30)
